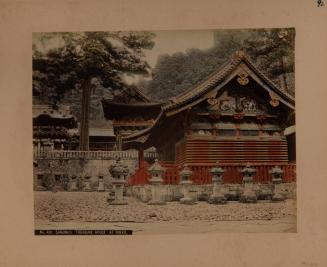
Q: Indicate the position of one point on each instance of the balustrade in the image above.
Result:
(75, 154)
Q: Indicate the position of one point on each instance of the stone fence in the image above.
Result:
(76, 154)
(202, 192)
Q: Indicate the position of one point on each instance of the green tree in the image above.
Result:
(79, 58)
(271, 49)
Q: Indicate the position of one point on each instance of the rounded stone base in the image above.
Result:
(187, 201)
(40, 188)
(248, 199)
(217, 200)
(87, 190)
(203, 197)
(277, 198)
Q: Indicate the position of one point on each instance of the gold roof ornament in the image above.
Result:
(274, 101)
(212, 101)
(243, 78)
(239, 54)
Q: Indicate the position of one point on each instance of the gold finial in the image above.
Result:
(239, 54)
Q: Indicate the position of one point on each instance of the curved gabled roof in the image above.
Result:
(111, 109)
(219, 76)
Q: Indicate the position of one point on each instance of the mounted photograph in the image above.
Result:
(164, 132)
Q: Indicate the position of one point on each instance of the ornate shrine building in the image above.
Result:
(51, 129)
(236, 115)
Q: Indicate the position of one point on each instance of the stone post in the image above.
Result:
(156, 181)
(119, 173)
(73, 184)
(101, 187)
(277, 174)
(87, 183)
(186, 183)
(218, 196)
(248, 195)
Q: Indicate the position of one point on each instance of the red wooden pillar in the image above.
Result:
(141, 158)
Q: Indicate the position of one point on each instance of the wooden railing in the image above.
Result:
(150, 155)
(232, 174)
(75, 154)
(202, 175)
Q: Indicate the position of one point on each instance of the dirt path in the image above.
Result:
(93, 207)
(90, 210)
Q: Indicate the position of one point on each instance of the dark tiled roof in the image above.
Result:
(218, 76)
(206, 85)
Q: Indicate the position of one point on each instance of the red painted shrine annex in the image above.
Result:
(235, 115)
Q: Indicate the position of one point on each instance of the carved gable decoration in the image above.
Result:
(238, 103)
(274, 100)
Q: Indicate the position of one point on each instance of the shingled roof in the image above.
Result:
(219, 76)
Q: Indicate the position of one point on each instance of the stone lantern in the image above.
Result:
(248, 195)
(39, 181)
(156, 171)
(186, 183)
(73, 184)
(218, 196)
(87, 183)
(277, 174)
(119, 173)
(101, 187)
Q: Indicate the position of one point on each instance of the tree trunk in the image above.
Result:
(85, 114)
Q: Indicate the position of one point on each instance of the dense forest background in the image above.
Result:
(272, 50)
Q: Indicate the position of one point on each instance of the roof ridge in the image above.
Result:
(211, 75)
(221, 72)
(143, 95)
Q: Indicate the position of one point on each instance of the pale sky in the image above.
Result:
(169, 42)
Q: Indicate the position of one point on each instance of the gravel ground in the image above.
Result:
(93, 207)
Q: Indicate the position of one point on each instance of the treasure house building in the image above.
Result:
(234, 116)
